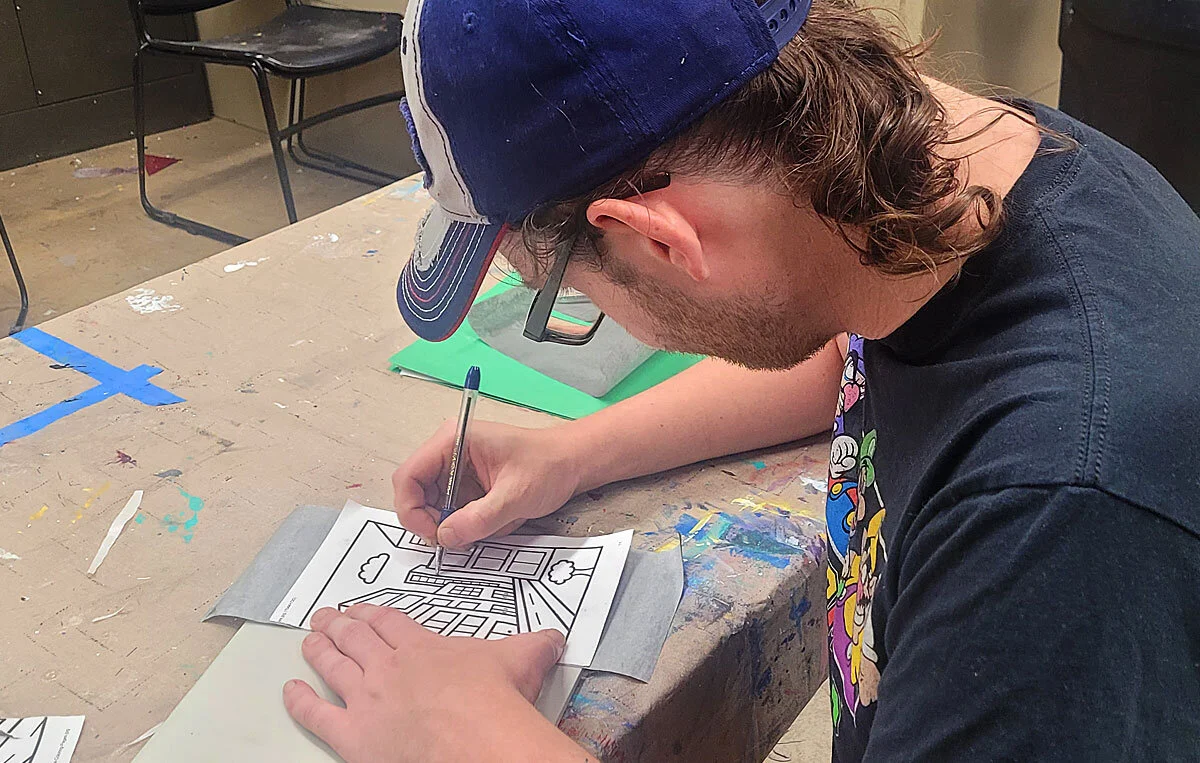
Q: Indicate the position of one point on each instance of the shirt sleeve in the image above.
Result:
(1053, 623)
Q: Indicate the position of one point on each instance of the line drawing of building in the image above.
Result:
(21, 738)
(489, 591)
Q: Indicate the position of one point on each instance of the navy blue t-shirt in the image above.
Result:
(1014, 502)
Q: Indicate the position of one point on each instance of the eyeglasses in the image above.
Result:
(564, 316)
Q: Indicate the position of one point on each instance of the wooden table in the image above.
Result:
(278, 350)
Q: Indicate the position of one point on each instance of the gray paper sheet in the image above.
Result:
(235, 711)
(256, 593)
(638, 623)
(640, 620)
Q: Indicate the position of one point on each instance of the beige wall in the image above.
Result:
(1011, 44)
(985, 45)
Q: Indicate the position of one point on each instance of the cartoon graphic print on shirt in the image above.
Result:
(854, 513)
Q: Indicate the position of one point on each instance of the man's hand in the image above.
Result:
(412, 695)
(515, 474)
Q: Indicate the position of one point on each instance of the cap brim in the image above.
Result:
(447, 267)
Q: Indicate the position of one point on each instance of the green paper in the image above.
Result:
(513, 382)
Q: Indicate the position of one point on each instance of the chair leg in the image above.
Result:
(19, 323)
(264, 92)
(319, 160)
(139, 128)
(294, 116)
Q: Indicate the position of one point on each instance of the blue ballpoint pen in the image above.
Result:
(466, 410)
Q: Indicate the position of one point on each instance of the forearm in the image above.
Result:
(712, 409)
(514, 731)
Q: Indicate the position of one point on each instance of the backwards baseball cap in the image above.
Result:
(512, 104)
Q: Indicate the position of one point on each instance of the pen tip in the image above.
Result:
(472, 378)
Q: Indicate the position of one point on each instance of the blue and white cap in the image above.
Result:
(513, 104)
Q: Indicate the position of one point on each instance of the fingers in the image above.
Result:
(528, 657)
(511, 527)
(422, 521)
(479, 519)
(328, 721)
(396, 628)
(354, 638)
(342, 674)
(411, 483)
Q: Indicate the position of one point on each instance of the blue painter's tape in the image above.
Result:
(130, 383)
(47, 416)
(134, 383)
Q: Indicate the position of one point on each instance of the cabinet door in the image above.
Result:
(16, 84)
(83, 48)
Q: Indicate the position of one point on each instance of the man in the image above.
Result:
(999, 303)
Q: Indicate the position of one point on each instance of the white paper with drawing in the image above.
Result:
(496, 588)
(42, 739)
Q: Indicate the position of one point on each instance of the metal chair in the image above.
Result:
(19, 323)
(302, 42)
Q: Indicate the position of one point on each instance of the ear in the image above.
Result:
(671, 235)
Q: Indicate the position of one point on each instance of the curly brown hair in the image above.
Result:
(843, 121)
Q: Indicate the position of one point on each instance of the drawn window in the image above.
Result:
(439, 620)
(385, 598)
(469, 626)
(526, 563)
(500, 630)
(407, 602)
(455, 559)
(491, 558)
(439, 602)
(465, 590)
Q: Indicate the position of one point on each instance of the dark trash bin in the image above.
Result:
(1131, 69)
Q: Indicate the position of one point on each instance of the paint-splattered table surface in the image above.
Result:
(274, 391)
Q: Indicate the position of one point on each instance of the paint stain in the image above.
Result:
(411, 189)
(356, 484)
(763, 533)
(140, 519)
(39, 513)
(96, 493)
(124, 458)
(236, 266)
(797, 611)
(597, 707)
(147, 301)
(760, 672)
(181, 521)
(169, 473)
(8, 556)
(760, 465)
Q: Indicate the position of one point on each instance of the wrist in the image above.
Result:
(588, 452)
(503, 726)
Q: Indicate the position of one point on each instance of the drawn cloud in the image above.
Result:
(561, 571)
(370, 569)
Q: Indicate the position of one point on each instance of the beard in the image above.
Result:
(760, 333)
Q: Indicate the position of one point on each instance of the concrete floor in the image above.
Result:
(79, 239)
(809, 740)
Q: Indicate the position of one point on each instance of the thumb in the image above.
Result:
(528, 657)
(481, 518)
